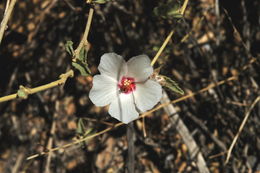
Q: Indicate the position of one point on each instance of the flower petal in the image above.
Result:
(123, 108)
(103, 91)
(112, 65)
(139, 67)
(147, 95)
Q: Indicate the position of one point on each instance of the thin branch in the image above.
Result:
(75, 142)
(18, 162)
(241, 128)
(144, 129)
(7, 14)
(194, 28)
(7, 6)
(29, 91)
(84, 40)
(236, 33)
(183, 8)
(98, 121)
(162, 48)
(51, 138)
(204, 128)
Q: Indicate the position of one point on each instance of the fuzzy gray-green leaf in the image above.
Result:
(80, 127)
(69, 47)
(84, 70)
(100, 1)
(172, 85)
(168, 10)
(83, 55)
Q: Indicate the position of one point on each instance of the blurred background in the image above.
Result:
(223, 37)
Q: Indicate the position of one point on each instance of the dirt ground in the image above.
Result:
(215, 40)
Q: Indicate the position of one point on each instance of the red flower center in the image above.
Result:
(127, 85)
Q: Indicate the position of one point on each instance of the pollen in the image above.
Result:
(127, 85)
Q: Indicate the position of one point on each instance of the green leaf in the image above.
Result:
(100, 1)
(83, 132)
(174, 12)
(80, 63)
(81, 127)
(168, 10)
(172, 85)
(69, 47)
(83, 55)
(177, 15)
(83, 68)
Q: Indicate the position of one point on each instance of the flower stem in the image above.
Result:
(130, 134)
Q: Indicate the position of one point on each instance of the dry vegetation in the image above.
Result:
(222, 39)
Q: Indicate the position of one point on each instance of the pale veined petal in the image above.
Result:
(147, 95)
(112, 65)
(103, 91)
(139, 67)
(123, 108)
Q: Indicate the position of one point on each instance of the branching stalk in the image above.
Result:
(84, 40)
(29, 91)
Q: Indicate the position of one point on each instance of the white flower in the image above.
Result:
(125, 86)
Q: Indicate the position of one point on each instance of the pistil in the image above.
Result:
(127, 85)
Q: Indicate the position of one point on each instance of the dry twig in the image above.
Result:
(61, 81)
(7, 14)
(162, 48)
(194, 150)
(51, 138)
(84, 40)
(241, 128)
